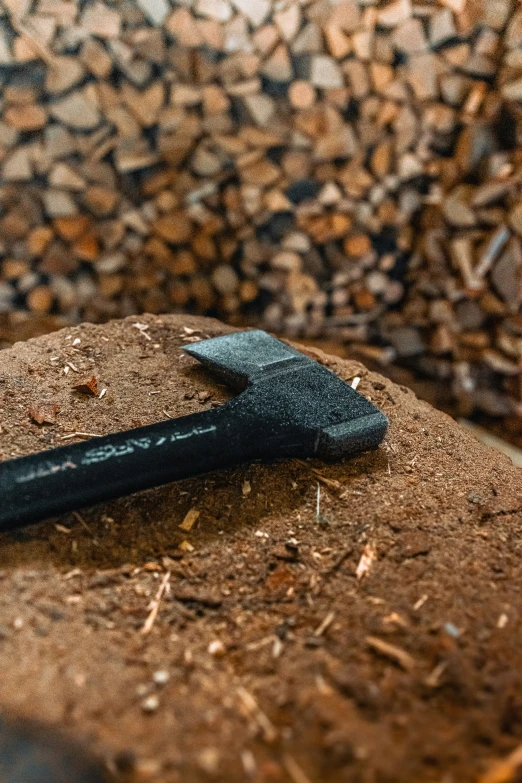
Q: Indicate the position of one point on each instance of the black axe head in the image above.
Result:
(323, 415)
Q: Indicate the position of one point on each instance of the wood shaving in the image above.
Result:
(155, 605)
(391, 651)
(365, 563)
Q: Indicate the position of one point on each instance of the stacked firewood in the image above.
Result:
(341, 169)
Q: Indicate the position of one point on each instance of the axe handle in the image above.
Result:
(64, 479)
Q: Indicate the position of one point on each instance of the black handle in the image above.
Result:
(53, 482)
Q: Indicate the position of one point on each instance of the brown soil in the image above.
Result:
(266, 659)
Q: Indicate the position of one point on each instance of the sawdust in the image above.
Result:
(260, 581)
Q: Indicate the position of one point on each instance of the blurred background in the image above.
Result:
(345, 173)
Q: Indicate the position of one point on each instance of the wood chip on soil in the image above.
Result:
(44, 412)
(88, 387)
(190, 520)
(392, 652)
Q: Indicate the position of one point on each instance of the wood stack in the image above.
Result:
(341, 169)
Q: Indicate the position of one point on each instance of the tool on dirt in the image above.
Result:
(289, 406)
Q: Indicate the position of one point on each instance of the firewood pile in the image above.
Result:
(350, 170)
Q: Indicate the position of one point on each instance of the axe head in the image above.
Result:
(321, 414)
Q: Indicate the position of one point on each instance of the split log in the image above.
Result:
(346, 169)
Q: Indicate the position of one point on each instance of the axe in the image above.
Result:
(288, 406)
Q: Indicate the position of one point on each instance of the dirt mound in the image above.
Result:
(378, 640)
